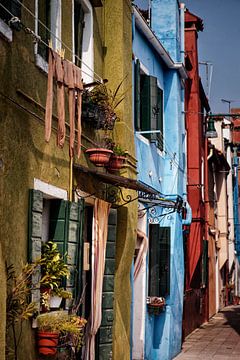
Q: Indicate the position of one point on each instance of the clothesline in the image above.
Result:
(58, 39)
(37, 39)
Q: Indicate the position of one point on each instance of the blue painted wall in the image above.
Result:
(165, 171)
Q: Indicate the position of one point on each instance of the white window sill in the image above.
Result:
(41, 63)
(5, 31)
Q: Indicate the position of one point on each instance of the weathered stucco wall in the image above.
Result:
(26, 155)
(118, 67)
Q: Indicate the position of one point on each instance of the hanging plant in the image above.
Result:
(99, 106)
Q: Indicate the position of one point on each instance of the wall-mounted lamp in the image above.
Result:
(211, 131)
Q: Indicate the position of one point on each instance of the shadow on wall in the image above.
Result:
(159, 322)
(232, 317)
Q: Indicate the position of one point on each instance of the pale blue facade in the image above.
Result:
(165, 170)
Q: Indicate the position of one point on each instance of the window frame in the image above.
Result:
(6, 31)
(87, 41)
(159, 286)
(55, 27)
(140, 70)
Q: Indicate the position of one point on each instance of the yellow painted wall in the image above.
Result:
(25, 155)
(118, 66)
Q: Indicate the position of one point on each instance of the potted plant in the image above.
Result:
(54, 272)
(99, 156)
(71, 333)
(155, 305)
(58, 330)
(56, 297)
(99, 105)
(117, 159)
(48, 331)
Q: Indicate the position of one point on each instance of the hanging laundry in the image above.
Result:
(49, 100)
(79, 89)
(69, 82)
(59, 75)
(69, 75)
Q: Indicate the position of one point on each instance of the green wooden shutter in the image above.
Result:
(35, 236)
(159, 260)
(154, 260)
(65, 228)
(104, 338)
(137, 95)
(205, 263)
(159, 125)
(149, 101)
(164, 242)
(75, 246)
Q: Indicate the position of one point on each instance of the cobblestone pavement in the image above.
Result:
(219, 339)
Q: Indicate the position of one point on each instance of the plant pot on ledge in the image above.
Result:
(99, 156)
(116, 162)
(156, 305)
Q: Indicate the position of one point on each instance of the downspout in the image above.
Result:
(182, 48)
(235, 203)
(206, 209)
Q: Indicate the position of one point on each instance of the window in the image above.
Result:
(78, 30)
(148, 106)
(159, 261)
(59, 221)
(48, 27)
(14, 8)
(83, 37)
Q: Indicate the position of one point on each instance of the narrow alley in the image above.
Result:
(218, 339)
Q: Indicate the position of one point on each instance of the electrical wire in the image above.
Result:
(58, 39)
(37, 38)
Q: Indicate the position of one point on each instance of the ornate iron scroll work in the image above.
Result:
(154, 207)
(114, 195)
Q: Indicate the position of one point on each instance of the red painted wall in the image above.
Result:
(195, 153)
(195, 297)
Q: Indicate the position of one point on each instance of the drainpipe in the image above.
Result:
(235, 202)
(206, 209)
(182, 24)
(182, 59)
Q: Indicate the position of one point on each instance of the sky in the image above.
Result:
(219, 44)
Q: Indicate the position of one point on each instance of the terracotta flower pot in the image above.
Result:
(47, 342)
(116, 162)
(99, 156)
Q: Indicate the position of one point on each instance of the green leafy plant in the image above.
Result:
(72, 331)
(111, 145)
(52, 321)
(63, 293)
(18, 306)
(118, 150)
(53, 267)
(69, 327)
